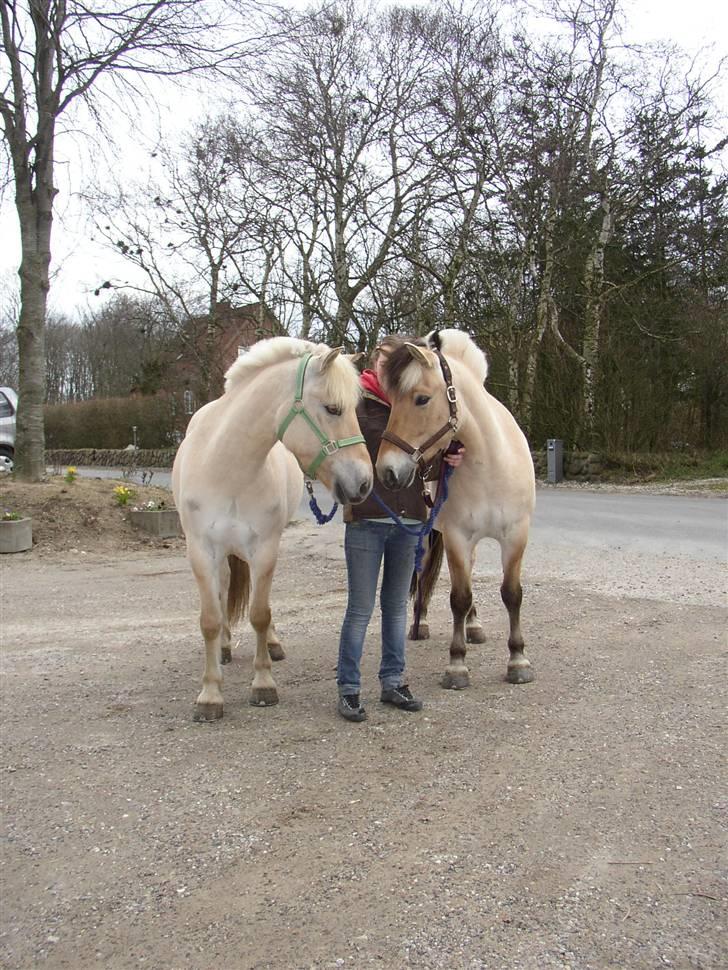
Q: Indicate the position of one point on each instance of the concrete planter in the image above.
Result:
(163, 523)
(16, 535)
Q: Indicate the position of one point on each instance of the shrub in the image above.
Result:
(108, 423)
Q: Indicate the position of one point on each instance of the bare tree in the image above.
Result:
(56, 54)
(201, 233)
(340, 102)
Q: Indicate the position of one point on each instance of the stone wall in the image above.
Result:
(580, 465)
(108, 458)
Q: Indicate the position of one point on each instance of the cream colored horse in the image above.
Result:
(236, 487)
(491, 494)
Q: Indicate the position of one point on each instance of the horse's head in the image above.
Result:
(325, 435)
(422, 420)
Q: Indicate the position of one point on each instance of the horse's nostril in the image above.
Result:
(364, 488)
(390, 479)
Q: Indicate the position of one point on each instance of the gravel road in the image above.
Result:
(577, 822)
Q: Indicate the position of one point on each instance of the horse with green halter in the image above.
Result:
(237, 482)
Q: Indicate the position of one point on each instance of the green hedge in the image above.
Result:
(108, 423)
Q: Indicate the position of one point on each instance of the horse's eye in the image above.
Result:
(333, 410)
(421, 400)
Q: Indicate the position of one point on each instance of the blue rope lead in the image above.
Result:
(421, 532)
(426, 528)
(314, 506)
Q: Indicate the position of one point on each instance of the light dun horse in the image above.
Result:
(236, 487)
(491, 494)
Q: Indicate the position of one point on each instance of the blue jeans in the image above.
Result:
(366, 544)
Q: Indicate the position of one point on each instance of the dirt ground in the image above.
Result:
(576, 822)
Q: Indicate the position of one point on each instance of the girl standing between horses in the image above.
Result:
(370, 538)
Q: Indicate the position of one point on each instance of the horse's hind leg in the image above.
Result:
(209, 701)
(275, 650)
(474, 632)
(457, 675)
(226, 653)
(519, 667)
(422, 586)
(264, 691)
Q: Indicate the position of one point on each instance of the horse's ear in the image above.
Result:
(355, 358)
(416, 354)
(328, 360)
(434, 340)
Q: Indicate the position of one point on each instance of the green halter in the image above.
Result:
(328, 445)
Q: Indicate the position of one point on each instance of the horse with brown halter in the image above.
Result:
(237, 482)
(437, 391)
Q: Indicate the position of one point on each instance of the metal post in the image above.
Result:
(554, 460)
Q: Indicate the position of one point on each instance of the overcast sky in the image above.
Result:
(81, 265)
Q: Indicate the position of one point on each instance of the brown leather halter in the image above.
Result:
(416, 454)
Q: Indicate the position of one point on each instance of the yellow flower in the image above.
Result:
(122, 494)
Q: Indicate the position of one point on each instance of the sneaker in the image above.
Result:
(350, 708)
(401, 697)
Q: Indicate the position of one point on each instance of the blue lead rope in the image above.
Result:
(314, 506)
(426, 528)
(421, 532)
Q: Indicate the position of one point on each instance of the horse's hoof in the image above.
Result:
(276, 651)
(474, 634)
(226, 655)
(455, 680)
(208, 712)
(264, 697)
(520, 675)
(422, 634)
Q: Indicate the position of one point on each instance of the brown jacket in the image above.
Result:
(373, 415)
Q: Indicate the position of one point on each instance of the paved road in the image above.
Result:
(693, 527)
(696, 527)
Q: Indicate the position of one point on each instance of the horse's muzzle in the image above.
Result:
(399, 477)
(348, 492)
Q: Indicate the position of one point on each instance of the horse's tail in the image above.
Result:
(238, 590)
(424, 583)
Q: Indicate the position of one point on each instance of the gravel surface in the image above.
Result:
(577, 822)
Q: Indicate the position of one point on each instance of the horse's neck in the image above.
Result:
(476, 419)
(251, 418)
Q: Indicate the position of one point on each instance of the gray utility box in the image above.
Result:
(554, 460)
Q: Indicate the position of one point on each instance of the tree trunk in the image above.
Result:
(543, 309)
(593, 287)
(36, 217)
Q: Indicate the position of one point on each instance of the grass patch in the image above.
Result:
(671, 467)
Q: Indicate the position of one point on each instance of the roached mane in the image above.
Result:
(341, 380)
(402, 372)
(455, 343)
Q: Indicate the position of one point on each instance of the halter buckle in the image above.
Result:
(330, 447)
(416, 456)
(451, 394)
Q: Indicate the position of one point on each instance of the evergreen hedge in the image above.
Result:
(108, 423)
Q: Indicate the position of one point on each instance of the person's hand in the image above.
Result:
(456, 458)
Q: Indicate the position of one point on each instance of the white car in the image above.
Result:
(8, 409)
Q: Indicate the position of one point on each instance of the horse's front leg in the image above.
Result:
(519, 667)
(209, 702)
(264, 691)
(457, 675)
